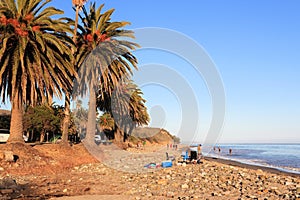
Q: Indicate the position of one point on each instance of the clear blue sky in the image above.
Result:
(256, 48)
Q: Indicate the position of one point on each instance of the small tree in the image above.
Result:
(40, 120)
(4, 121)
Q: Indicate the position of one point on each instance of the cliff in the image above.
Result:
(153, 136)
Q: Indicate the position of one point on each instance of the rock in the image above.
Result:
(259, 172)
(162, 182)
(277, 192)
(289, 183)
(170, 195)
(8, 156)
(8, 183)
(214, 194)
(1, 169)
(7, 191)
(274, 188)
(195, 180)
(65, 190)
(298, 189)
(286, 196)
(131, 145)
(185, 186)
(227, 193)
(149, 194)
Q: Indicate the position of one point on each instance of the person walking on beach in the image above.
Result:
(230, 151)
(218, 151)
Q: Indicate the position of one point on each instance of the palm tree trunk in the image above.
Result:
(76, 23)
(91, 126)
(119, 135)
(66, 121)
(16, 122)
(42, 137)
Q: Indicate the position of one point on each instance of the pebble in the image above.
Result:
(185, 186)
(298, 189)
(6, 191)
(8, 156)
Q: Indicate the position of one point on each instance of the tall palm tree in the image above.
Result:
(34, 57)
(106, 55)
(78, 4)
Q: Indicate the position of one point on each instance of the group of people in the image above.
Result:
(193, 154)
(172, 146)
(218, 150)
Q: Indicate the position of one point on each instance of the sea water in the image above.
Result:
(285, 157)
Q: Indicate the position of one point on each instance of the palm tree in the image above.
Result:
(34, 57)
(107, 125)
(66, 122)
(134, 110)
(127, 107)
(103, 56)
(106, 122)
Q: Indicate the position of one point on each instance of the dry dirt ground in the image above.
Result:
(47, 170)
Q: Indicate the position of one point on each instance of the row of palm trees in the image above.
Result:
(41, 56)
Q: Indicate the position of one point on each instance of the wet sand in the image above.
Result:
(254, 167)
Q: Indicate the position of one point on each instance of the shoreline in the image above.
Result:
(252, 166)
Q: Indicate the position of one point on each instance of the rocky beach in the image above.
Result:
(213, 179)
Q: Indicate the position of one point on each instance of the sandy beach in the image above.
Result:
(213, 179)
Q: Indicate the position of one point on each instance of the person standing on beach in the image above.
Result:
(199, 150)
(230, 151)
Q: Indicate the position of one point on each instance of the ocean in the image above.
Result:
(285, 157)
